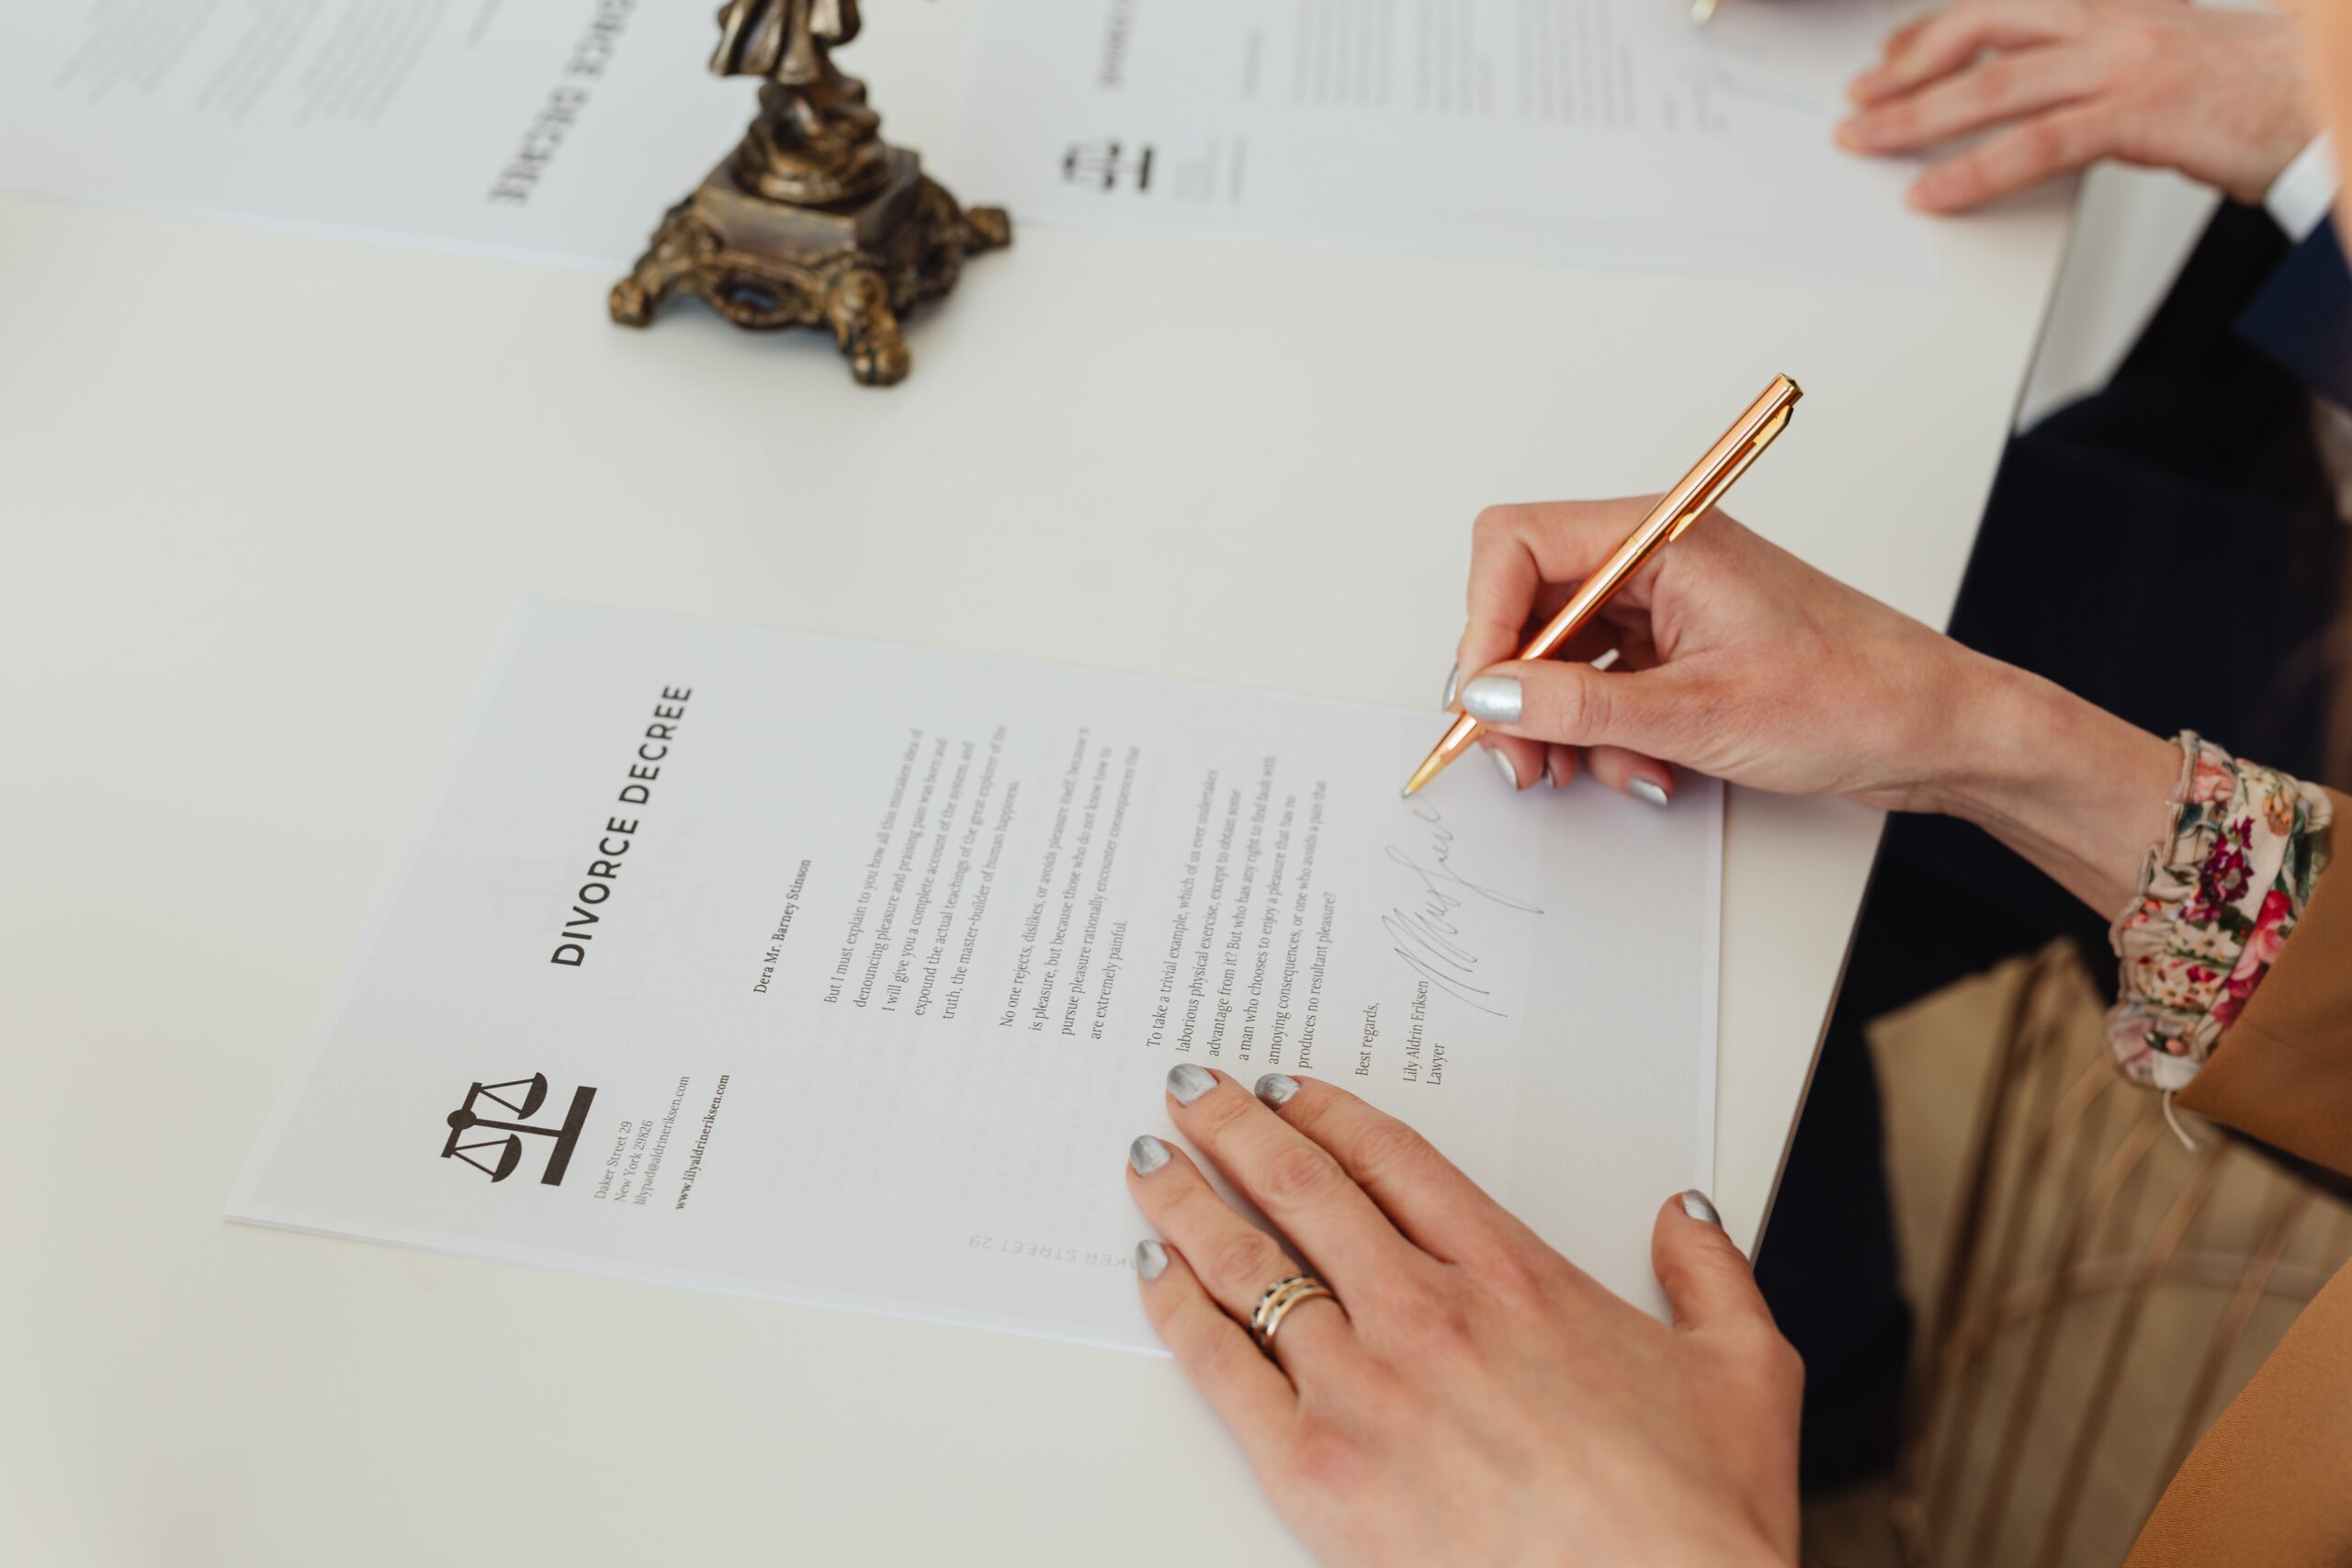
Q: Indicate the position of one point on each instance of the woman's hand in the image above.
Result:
(1739, 659)
(2217, 94)
(1478, 1400)
(1749, 664)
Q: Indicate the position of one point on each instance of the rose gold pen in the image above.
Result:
(1676, 511)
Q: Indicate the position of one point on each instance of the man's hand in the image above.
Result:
(2218, 95)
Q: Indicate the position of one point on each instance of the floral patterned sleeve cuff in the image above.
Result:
(2221, 893)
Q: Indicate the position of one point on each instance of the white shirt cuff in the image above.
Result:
(2299, 198)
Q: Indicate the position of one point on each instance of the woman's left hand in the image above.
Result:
(1477, 1399)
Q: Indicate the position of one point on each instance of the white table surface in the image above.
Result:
(269, 502)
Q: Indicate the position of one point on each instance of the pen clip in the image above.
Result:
(1722, 482)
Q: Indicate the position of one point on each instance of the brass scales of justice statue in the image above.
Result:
(814, 221)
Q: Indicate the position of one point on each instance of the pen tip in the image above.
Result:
(1431, 766)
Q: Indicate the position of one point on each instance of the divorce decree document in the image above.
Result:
(553, 130)
(844, 974)
(1601, 133)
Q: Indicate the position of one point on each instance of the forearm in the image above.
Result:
(2078, 792)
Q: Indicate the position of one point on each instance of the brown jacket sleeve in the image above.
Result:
(2269, 1485)
(2283, 1073)
(2270, 1482)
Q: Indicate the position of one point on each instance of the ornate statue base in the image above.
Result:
(855, 268)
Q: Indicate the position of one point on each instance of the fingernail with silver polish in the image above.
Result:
(1492, 699)
(1275, 1088)
(1150, 1258)
(1147, 1154)
(1695, 1204)
(1648, 790)
(1503, 765)
(1188, 1083)
(1453, 679)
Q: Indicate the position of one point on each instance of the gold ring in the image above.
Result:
(1275, 1304)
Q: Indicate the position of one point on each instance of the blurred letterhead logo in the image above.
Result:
(1106, 163)
(495, 1147)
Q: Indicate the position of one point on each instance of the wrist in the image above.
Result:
(2258, 182)
(2080, 792)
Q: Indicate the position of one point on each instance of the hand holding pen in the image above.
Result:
(1739, 660)
(1671, 516)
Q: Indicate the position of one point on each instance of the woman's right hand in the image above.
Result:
(1734, 658)
(1740, 661)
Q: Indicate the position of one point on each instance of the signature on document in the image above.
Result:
(1427, 928)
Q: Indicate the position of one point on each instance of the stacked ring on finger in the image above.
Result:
(1275, 1304)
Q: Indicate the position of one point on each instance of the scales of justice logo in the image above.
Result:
(497, 1150)
(1107, 162)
